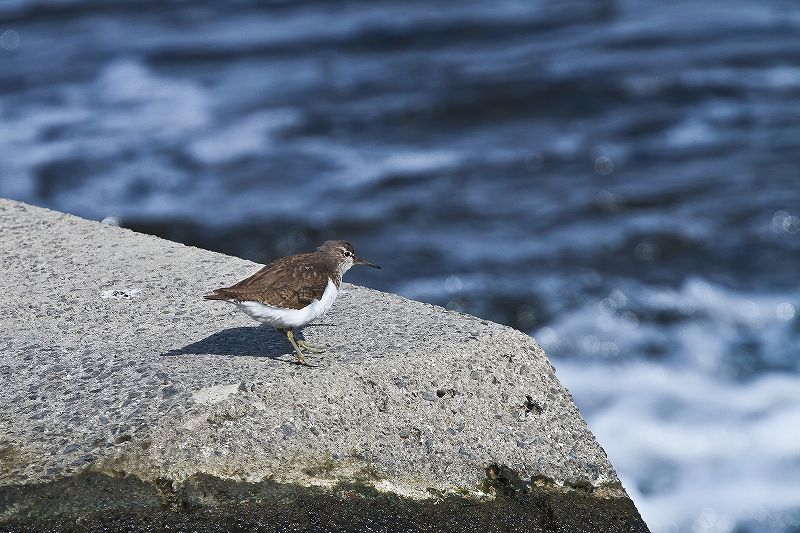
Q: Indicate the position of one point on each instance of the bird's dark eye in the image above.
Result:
(347, 253)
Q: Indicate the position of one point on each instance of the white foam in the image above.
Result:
(696, 449)
(250, 136)
(134, 100)
(128, 109)
(708, 321)
(697, 442)
(690, 133)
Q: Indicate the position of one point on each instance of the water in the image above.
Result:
(618, 178)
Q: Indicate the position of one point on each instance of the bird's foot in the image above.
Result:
(301, 360)
(312, 348)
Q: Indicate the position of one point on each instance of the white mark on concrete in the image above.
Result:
(215, 394)
(120, 294)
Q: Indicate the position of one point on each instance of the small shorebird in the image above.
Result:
(292, 291)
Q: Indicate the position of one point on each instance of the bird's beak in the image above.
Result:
(358, 261)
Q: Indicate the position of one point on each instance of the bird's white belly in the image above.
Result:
(281, 317)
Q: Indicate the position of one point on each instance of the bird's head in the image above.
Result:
(343, 254)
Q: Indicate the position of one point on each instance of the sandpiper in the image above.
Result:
(292, 291)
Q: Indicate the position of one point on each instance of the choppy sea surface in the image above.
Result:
(620, 179)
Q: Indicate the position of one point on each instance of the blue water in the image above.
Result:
(619, 178)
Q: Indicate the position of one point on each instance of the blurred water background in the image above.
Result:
(620, 179)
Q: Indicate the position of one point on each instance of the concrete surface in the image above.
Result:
(113, 365)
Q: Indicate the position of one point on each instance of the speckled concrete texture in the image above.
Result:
(112, 362)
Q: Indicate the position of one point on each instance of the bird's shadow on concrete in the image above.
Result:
(254, 341)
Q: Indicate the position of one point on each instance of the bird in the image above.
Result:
(292, 291)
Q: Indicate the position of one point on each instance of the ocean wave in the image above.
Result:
(704, 325)
(696, 453)
(703, 430)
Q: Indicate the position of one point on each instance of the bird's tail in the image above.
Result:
(218, 294)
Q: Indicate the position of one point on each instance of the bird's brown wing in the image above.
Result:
(290, 282)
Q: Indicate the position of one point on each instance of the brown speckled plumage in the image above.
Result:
(291, 282)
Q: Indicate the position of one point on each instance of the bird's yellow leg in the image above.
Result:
(298, 352)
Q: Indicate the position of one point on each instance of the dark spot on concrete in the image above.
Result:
(532, 406)
(322, 470)
(169, 391)
(83, 459)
